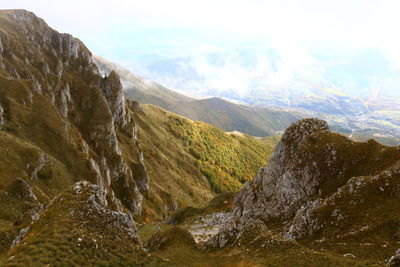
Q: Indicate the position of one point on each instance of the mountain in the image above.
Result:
(358, 88)
(324, 191)
(81, 166)
(256, 121)
(351, 115)
(188, 161)
(263, 74)
(89, 177)
(141, 89)
(322, 200)
(63, 127)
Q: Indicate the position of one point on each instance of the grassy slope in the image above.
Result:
(74, 231)
(218, 112)
(367, 234)
(188, 161)
(234, 117)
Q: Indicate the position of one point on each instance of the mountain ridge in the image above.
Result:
(258, 120)
(82, 166)
(88, 176)
(255, 121)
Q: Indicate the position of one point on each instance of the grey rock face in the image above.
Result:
(279, 189)
(91, 196)
(304, 223)
(24, 16)
(91, 108)
(2, 120)
(395, 259)
(316, 183)
(112, 89)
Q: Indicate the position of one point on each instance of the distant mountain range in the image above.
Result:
(346, 114)
(256, 121)
(368, 74)
(91, 178)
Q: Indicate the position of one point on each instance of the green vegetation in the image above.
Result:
(61, 133)
(226, 159)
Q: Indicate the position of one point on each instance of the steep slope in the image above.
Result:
(216, 111)
(324, 191)
(61, 122)
(54, 99)
(141, 89)
(188, 161)
(73, 179)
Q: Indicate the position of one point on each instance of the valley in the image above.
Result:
(101, 167)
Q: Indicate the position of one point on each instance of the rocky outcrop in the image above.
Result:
(93, 233)
(304, 223)
(94, 208)
(288, 181)
(53, 76)
(2, 120)
(112, 89)
(394, 261)
(313, 183)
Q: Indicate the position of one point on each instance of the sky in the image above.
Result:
(352, 22)
(139, 34)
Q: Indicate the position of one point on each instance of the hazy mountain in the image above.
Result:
(358, 86)
(267, 76)
(256, 121)
(345, 114)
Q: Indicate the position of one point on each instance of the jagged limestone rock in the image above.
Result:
(87, 226)
(394, 261)
(313, 183)
(95, 206)
(90, 110)
(112, 89)
(304, 223)
(2, 120)
(280, 188)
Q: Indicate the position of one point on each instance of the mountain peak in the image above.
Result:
(297, 131)
(23, 16)
(309, 166)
